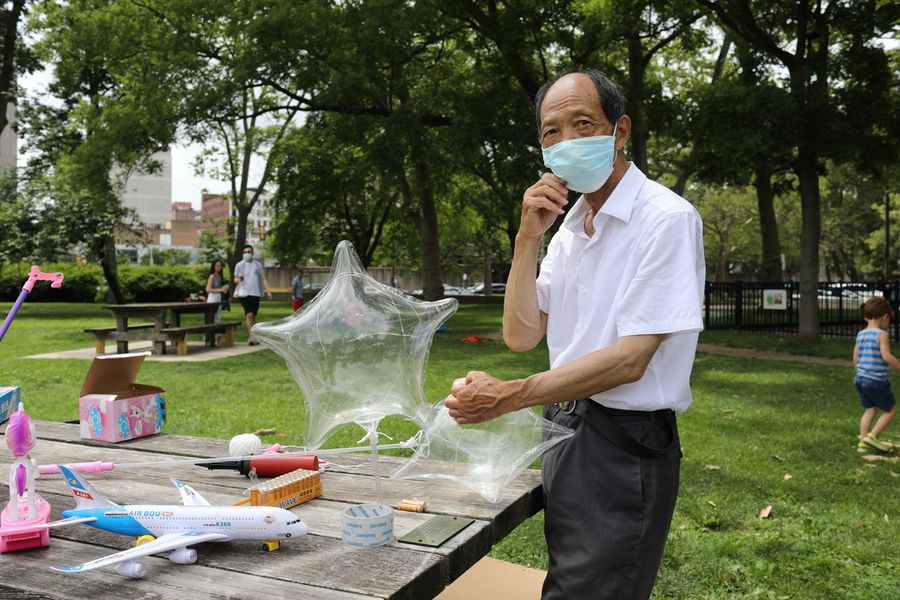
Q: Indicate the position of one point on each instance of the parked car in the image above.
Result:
(845, 297)
(311, 289)
(497, 288)
(449, 290)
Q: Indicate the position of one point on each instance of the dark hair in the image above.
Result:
(247, 246)
(212, 266)
(612, 97)
(876, 307)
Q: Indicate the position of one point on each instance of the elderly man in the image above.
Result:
(619, 298)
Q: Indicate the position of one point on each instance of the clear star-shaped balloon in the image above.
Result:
(358, 349)
(484, 457)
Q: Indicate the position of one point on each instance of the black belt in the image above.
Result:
(599, 417)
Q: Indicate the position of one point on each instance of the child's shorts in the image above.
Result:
(874, 393)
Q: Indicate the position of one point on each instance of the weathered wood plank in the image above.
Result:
(165, 443)
(445, 497)
(27, 575)
(316, 561)
(395, 571)
(152, 485)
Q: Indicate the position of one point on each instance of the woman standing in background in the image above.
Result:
(215, 285)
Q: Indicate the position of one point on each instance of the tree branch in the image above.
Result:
(745, 26)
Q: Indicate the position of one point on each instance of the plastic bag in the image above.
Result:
(484, 457)
(358, 349)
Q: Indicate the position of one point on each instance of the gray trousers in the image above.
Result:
(607, 512)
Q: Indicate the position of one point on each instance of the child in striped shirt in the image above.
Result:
(871, 357)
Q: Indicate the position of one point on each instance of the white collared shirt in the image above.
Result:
(642, 272)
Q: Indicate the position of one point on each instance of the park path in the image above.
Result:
(768, 355)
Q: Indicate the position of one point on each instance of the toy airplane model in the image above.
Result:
(174, 527)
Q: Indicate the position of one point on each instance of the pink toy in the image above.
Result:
(33, 277)
(26, 509)
(275, 449)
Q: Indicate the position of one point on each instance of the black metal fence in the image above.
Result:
(774, 306)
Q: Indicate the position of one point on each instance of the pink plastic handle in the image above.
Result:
(37, 275)
(88, 467)
(274, 449)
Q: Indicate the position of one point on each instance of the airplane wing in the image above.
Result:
(62, 522)
(189, 496)
(169, 541)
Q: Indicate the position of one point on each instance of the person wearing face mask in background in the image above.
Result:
(250, 276)
(619, 297)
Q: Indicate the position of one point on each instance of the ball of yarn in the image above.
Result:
(244, 444)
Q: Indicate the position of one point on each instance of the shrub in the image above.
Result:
(161, 283)
(85, 283)
(80, 284)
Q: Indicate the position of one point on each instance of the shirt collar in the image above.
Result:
(619, 204)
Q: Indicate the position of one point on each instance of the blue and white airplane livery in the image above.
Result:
(174, 527)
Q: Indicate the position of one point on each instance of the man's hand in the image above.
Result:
(477, 399)
(268, 295)
(542, 204)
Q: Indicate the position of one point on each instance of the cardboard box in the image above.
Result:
(9, 401)
(113, 407)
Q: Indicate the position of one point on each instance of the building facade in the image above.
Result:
(150, 194)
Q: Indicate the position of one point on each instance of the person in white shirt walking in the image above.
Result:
(619, 299)
(250, 275)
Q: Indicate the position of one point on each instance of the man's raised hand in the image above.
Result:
(542, 203)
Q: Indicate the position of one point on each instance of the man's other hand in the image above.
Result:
(477, 398)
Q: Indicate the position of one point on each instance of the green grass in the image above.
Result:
(834, 522)
(833, 347)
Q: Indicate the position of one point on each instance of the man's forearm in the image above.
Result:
(601, 370)
(523, 323)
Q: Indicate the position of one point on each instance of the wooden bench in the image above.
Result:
(102, 333)
(179, 334)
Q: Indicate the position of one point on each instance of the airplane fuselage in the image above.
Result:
(238, 523)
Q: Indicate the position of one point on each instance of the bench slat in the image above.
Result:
(96, 330)
(179, 334)
(206, 327)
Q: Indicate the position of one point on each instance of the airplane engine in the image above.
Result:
(184, 556)
(131, 569)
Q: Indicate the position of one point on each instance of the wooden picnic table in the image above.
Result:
(161, 314)
(317, 566)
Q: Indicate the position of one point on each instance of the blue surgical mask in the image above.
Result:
(248, 256)
(583, 163)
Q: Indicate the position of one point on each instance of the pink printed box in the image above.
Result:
(113, 407)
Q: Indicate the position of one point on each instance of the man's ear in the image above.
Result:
(623, 132)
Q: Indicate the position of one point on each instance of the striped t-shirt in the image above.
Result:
(868, 356)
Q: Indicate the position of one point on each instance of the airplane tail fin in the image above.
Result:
(85, 495)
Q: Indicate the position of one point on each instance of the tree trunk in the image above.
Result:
(687, 168)
(768, 226)
(8, 67)
(639, 133)
(432, 281)
(111, 269)
(240, 237)
(512, 229)
(810, 231)
(486, 272)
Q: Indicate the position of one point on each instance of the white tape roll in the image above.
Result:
(367, 525)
